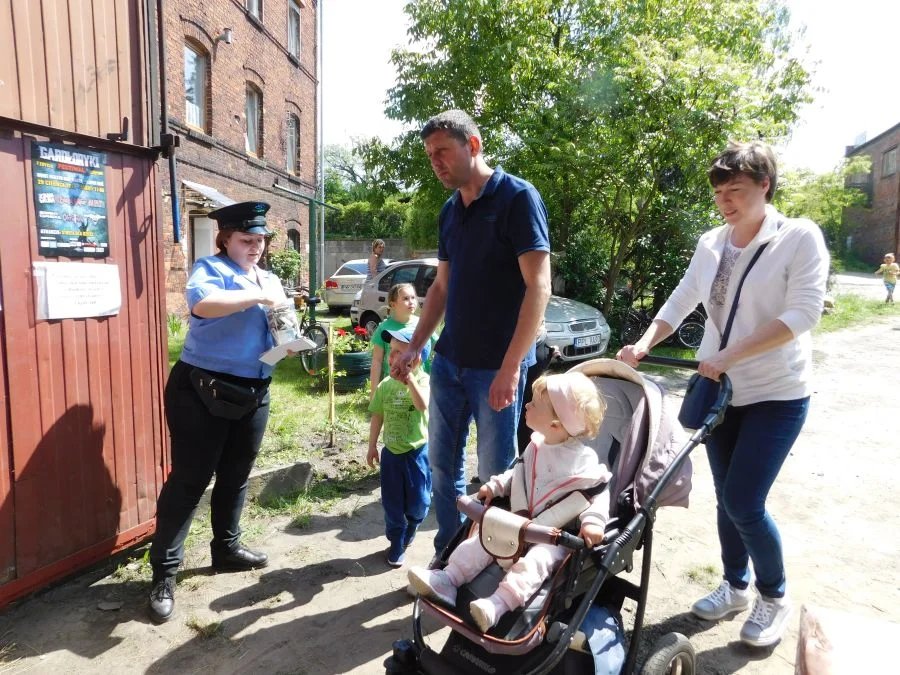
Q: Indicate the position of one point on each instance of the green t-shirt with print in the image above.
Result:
(405, 428)
(384, 341)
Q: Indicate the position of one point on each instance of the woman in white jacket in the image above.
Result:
(769, 360)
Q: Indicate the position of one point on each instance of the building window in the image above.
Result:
(195, 87)
(254, 7)
(294, 28)
(294, 240)
(292, 146)
(889, 162)
(203, 238)
(253, 111)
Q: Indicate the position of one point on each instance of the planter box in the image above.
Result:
(355, 367)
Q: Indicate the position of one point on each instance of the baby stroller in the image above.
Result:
(643, 443)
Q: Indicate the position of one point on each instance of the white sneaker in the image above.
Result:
(768, 621)
(725, 600)
(433, 584)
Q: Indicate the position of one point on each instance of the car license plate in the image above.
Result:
(351, 287)
(587, 341)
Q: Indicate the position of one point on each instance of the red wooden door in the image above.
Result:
(86, 442)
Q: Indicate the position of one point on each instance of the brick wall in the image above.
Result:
(215, 155)
(876, 227)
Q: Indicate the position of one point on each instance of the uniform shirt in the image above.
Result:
(405, 428)
(482, 244)
(228, 344)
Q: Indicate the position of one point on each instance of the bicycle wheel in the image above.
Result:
(690, 334)
(315, 360)
(632, 328)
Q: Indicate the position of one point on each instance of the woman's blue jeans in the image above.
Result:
(457, 396)
(746, 453)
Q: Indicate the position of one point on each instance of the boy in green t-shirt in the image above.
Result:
(402, 409)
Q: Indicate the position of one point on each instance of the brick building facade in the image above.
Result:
(243, 102)
(877, 223)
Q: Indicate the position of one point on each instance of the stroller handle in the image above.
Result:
(530, 532)
(725, 389)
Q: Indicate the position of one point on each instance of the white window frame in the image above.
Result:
(253, 111)
(195, 111)
(254, 7)
(292, 144)
(295, 29)
(203, 237)
(889, 162)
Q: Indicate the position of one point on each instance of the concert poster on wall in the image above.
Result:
(70, 200)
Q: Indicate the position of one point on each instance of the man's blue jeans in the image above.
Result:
(457, 396)
(746, 453)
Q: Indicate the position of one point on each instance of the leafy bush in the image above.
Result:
(285, 264)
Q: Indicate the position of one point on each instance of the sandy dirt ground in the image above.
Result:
(330, 604)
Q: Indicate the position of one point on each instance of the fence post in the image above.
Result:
(330, 348)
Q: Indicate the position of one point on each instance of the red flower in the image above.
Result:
(341, 332)
(362, 332)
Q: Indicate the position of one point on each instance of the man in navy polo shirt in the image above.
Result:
(492, 286)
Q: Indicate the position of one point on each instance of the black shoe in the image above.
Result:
(238, 560)
(162, 600)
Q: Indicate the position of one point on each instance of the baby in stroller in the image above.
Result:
(562, 478)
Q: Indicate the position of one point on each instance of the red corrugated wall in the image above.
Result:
(84, 438)
(84, 444)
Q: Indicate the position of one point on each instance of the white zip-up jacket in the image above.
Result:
(786, 283)
(552, 471)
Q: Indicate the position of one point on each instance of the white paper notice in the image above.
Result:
(274, 355)
(73, 290)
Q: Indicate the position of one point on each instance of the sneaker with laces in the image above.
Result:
(767, 622)
(161, 604)
(725, 600)
(433, 584)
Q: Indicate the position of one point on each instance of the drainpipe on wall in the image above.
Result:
(320, 139)
(897, 220)
(167, 142)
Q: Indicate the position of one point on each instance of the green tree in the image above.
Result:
(822, 197)
(612, 108)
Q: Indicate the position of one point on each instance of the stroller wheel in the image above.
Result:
(672, 654)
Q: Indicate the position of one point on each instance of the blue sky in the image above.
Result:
(854, 46)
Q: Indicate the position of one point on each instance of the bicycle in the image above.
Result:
(316, 359)
(689, 333)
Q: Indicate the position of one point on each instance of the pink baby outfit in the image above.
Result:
(551, 473)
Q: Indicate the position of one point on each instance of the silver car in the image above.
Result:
(370, 305)
(578, 330)
(342, 286)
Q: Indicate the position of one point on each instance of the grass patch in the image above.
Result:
(7, 649)
(851, 310)
(135, 569)
(703, 575)
(205, 631)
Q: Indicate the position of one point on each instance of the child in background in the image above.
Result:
(564, 409)
(889, 271)
(402, 302)
(402, 409)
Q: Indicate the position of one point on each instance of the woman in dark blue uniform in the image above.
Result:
(217, 401)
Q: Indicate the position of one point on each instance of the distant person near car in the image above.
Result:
(492, 286)
(376, 260)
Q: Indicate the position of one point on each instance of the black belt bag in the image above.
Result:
(226, 399)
